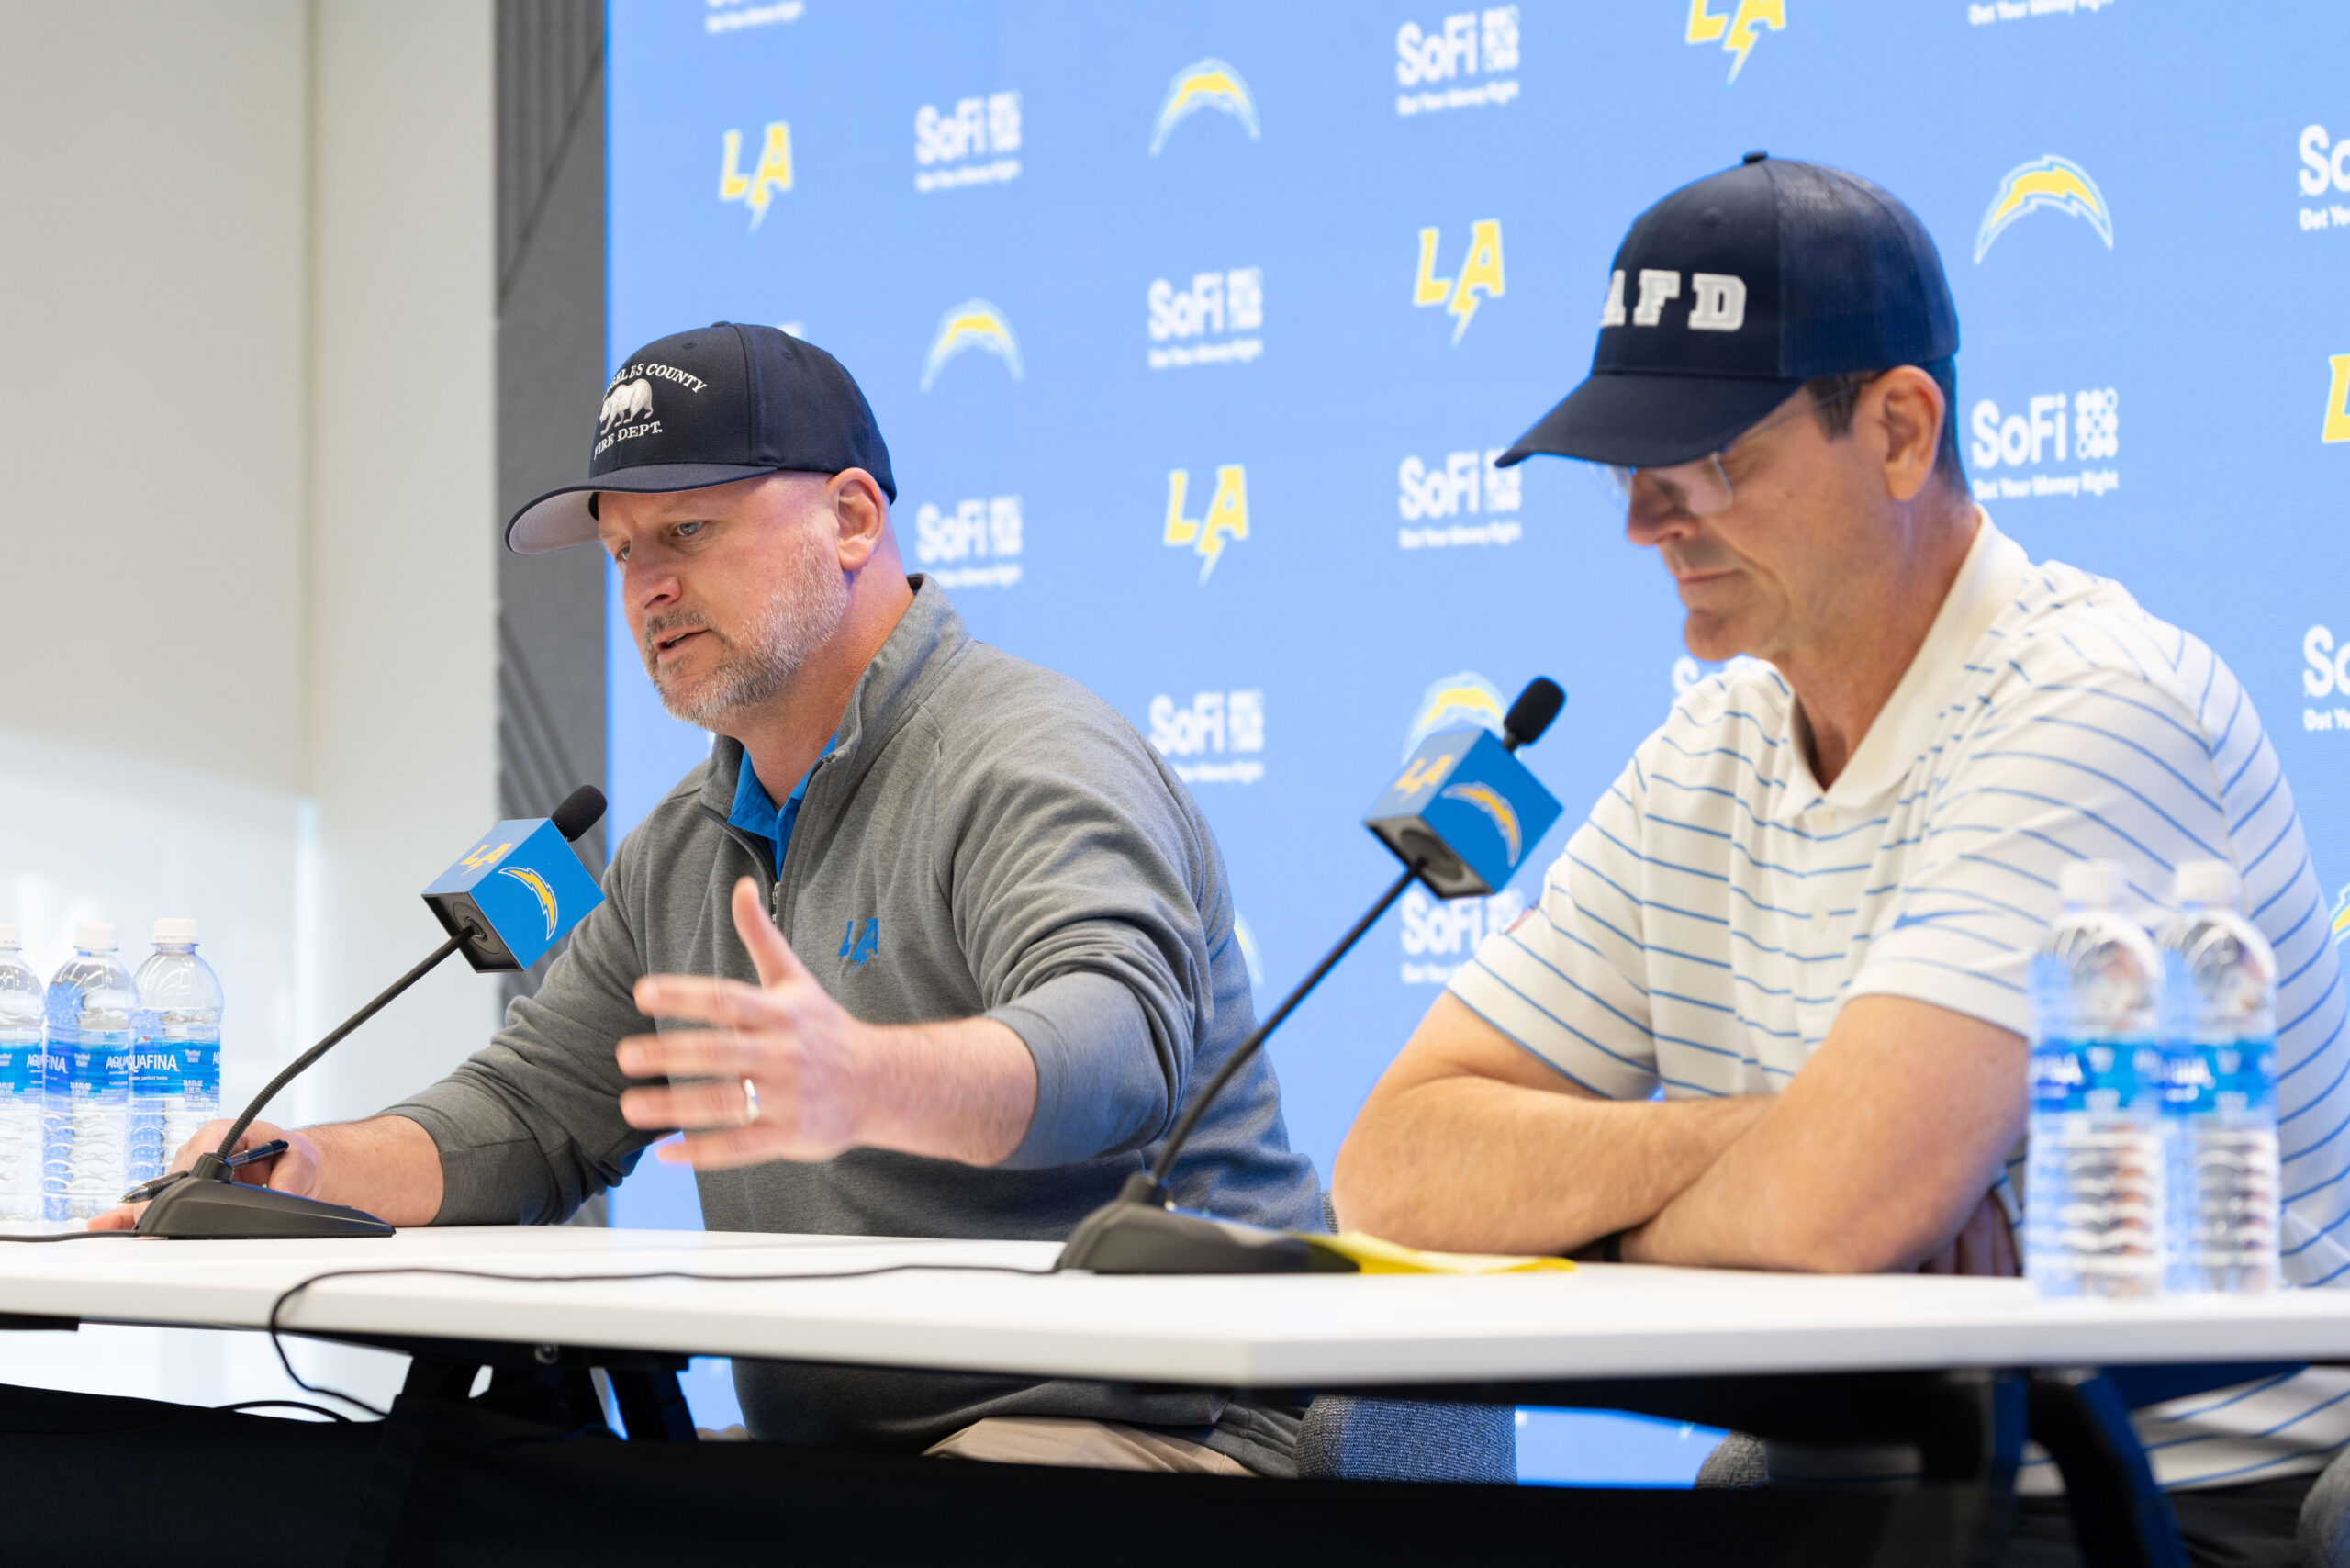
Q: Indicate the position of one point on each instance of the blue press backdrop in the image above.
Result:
(1192, 330)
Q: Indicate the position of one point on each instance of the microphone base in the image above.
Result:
(1126, 1236)
(196, 1209)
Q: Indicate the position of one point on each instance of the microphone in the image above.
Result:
(503, 904)
(1461, 817)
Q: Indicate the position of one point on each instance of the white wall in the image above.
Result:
(249, 649)
(401, 728)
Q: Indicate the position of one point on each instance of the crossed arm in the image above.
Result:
(1877, 1157)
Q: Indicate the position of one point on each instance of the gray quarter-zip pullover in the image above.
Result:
(986, 837)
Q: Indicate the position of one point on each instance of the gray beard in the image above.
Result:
(803, 613)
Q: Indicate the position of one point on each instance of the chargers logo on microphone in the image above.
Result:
(544, 894)
(2047, 181)
(514, 895)
(1486, 799)
(1206, 84)
(974, 324)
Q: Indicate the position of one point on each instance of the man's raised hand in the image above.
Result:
(785, 1067)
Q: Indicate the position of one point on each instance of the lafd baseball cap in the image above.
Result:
(1730, 293)
(725, 402)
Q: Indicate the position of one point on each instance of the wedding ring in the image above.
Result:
(750, 1102)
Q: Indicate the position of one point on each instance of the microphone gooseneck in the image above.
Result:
(1528, 717)
(206, 1201)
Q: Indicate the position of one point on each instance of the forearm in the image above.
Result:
(1472, 1164)
(961, 1089)
(1871, 1161)
(386, 1165)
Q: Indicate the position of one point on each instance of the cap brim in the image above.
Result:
(1636, 421)
(560, 517)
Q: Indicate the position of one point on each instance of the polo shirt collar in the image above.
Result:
(754, 812)
(1987, 583)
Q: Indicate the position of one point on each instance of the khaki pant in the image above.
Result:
(1097, 1445)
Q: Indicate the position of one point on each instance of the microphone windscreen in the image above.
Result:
(1532, 713)
(584, 807)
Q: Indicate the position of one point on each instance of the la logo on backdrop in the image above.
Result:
(758, 188)
(1480, 275)
(1736, 30)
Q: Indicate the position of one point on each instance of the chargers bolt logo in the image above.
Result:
(774, 173)
(537, 885)
(1480, 273)
(2046, 181)
(974, 324)
(1209, 85)
(1490, 801)
(1453, 703)
(858, 946)
(1227, 515)
(1737, 31)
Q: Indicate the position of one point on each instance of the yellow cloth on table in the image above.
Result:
(1373, 1256)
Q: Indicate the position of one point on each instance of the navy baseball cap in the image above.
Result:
(709, 407)
(1730, 293)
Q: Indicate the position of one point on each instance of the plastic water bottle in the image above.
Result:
(2220, 1103)
(175, 1049)
(2093, 1184)
(20, 1082)
(86, 1097)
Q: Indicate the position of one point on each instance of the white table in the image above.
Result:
(1232, 1331)
(1624, 1335)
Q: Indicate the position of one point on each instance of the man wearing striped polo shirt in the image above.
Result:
(1770, 1009)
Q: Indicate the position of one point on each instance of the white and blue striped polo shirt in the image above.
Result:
(1708, 921)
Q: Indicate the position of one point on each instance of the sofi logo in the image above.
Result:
(2326, 672)
(1217, 724)
(757, 188)
(1736, 30)
(1465, 44)
(966, 145)
(1213, 320)
(2325, 168)
(2050, 428)
(985, 529)
(1226, 518)
(1448, 931)
(1479, 274)
(1458, 484)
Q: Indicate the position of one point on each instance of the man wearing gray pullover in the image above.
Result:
(934, 945)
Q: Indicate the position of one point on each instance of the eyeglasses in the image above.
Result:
(1702, 487)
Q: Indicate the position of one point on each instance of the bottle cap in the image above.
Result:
(10, 936)
(2206, 882)
(94, 935)
(175, 931)
(2097, 883)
